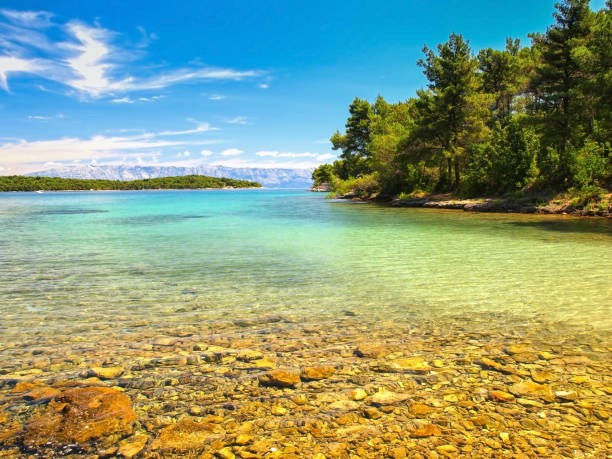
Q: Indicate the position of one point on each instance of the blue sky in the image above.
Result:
(239, 83)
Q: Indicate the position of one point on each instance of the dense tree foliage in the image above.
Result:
(536, 118)
(22, 183)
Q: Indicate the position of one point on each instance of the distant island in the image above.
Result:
(186, 182)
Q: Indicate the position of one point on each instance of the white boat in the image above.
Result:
(39, 191)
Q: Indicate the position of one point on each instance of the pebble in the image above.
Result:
(358, 394)
(428, 430)
(106, 372)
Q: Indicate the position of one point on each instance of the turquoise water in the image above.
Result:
(72, 261)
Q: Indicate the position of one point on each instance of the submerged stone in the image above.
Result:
(386, 397)
(428, 430)
(407, 365)
(130, 447)
(279, 378)
(106, 372)
(81, 414)
(186, 435)
(317, 373)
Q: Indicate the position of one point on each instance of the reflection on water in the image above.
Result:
(559, 224)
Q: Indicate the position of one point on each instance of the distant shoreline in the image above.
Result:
(184, 182)
(145, 190)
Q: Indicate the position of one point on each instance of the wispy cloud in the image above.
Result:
(91, 61)
(129, 100)
(239, 120)
(12, 64)
(73, 148)
(276, 154)
(200, 127)
(38, 19)
(231, 152)
(21, 152)
(265, 164)
(206, 153)
(216, 97)
(45, 118)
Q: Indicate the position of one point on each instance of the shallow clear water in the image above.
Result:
(70, 261)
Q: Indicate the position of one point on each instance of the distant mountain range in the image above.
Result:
(270, 178)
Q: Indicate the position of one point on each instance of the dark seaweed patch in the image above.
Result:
(154, 219)
(70, 211)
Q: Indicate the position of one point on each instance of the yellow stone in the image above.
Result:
(106, 372)
(243, 439)
(225, 453)
(130, 447)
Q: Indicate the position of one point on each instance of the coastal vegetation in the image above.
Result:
(522, 121)
(22, 183)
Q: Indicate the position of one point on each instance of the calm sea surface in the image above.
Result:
(72, 261)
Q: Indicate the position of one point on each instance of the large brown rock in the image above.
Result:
(81, 414)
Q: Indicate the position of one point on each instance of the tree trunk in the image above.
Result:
(457, 175)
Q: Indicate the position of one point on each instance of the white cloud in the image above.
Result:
(265, 164)
(90, 61)
(123, 100)
(36, 19)
(325, 156)
(267, 153)
(200, 127)
(11, 64)
(129, 100)
(72, 148)
(45, 118)
(206, 152)
(276, 154)
(232, 152)
(238, 120)
(216, 97)
(264, 86)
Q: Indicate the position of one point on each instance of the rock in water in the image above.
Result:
(406, 365)
(81, 414)
(386, 397)
(106, 372)
(317, 373)
(130, 447)
(186, 435)
(428, 430)
(279, 378)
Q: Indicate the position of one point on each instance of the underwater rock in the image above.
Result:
(81, 414)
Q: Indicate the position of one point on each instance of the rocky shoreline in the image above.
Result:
(487, 205)
(283, 387)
